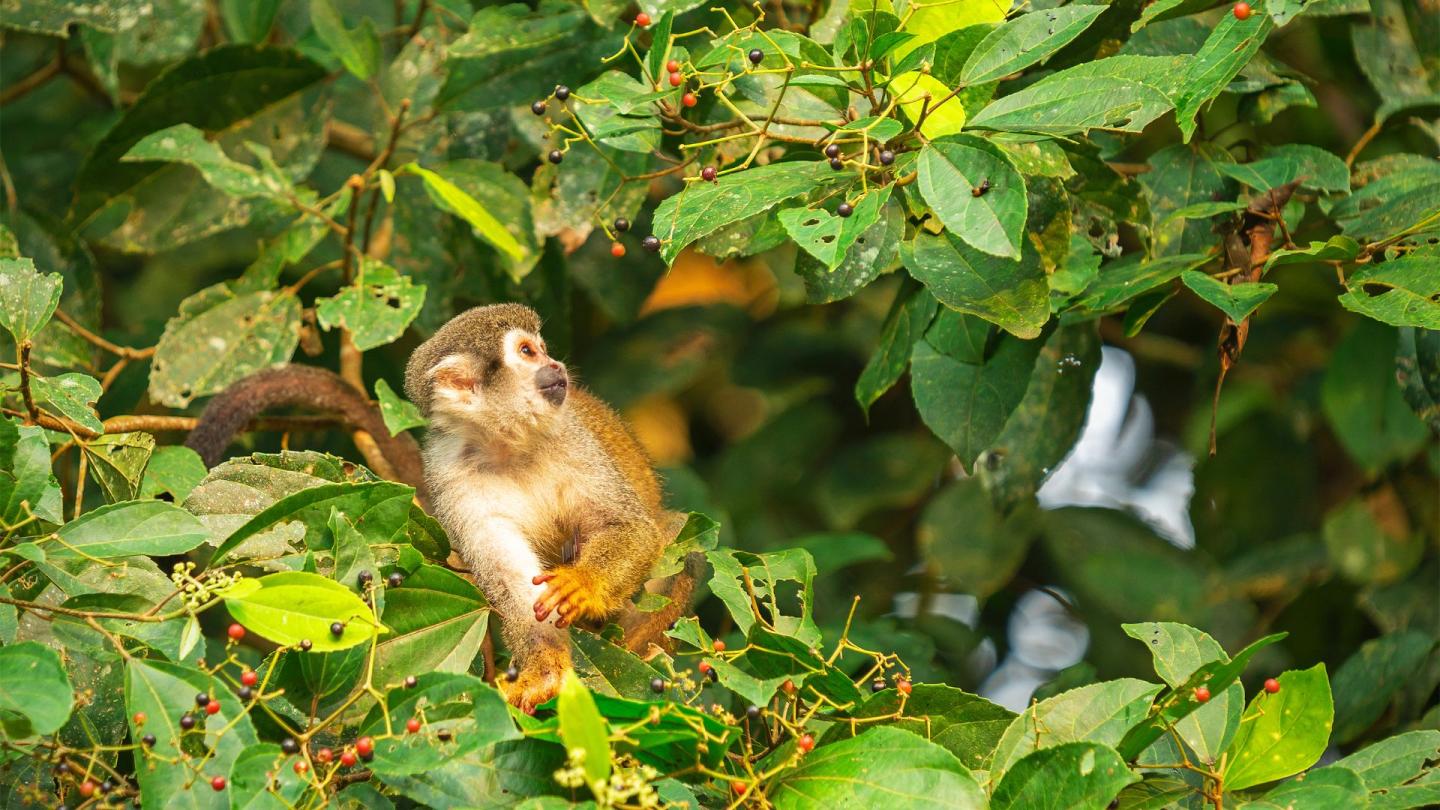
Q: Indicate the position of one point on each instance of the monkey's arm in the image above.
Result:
(615, 560)
(306, 387)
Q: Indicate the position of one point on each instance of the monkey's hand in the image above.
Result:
(575, 593)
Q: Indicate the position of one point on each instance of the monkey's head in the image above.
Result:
(488, 371)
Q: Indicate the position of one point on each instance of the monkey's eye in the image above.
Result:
(527, 350)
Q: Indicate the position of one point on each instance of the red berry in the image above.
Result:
(788, 687)
(719, 645)
(348, 759)
(689, 100)
(1202, 694)
(249, 677)
(412, 725)
(365, 746)
(236, 631)
(213, 707)
(676, 79)
(903, 685)
(324, 755)
(218, 783)
(617, 250)
(708, 174)
(738, 787)
(139, 718)
(1242, 11)
(672, 66)
(642, 19)
(87, 788)
(806, 744)
(1272, 686)
(301, 766)
(704, 667)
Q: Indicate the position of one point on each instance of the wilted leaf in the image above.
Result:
(220, 337)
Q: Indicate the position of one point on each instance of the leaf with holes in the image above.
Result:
(828, 237)
(27, 298)
(1403, 292)
(376, 309)
(71, 395)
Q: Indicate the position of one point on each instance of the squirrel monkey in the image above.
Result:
(543, 490)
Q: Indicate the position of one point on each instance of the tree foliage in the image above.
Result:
(754, 226)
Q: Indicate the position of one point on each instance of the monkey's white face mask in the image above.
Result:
(511, 394)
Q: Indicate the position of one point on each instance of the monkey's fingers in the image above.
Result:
(556, 592)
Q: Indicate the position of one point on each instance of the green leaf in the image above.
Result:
(1283, 733)
(35, 691)
(439, 621)
(374, 505)
(186, 144)
(118, 462)
(1011, 294)
(359, 50)
(623, 116)
(931, 22)
(1366, 546)
(220, 337)
(1180, 178)
(1077, 100)
(377, 308)
(450, 197)
(1337, 248)
(1314, 167)
(1204, 210)
(27, 483)
(1070, 775)
(1401, 292)
(1131, 276)
(607, 669)
(584, 730)
(1100, 713)
(1394, 760)
(909, 316)
(1390, 46)
(1179, 651)
(27, 298)
(1417, 367)
(1228, 49)
(173, 469)
(512, 769)
(769, 655)
(703, 208)
(54, 17)
(970, 543)
(471, 712)
(1369, 678)
(884, 766)
(1364, 406)
(133, 528)
(261, 779)
(1237, 301)
(72, 395)
(765, 572)
(248, 20)
(966, 725)
(1026, 40)
(660, 44)
(952, 171)
(399, 414)
(164, 692)
(874, 253)
(829, 237)
(1329, 788)
(294, 606)
(966, 405)
(882, 471)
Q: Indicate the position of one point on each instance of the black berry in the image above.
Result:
(651, 243)
(512, 674)
(555, 157)
(622, 224)
(289, 746)
(886, 157)
(337, 628)
(202, 700)
(187, 721)
(396, 578)
(707, 174)
(62, 768)
(878, 685)
(837, 164)
(845, 209)
(657, 685)
(305, 645)
(756, 56)
(364, 578)
(562, 92)
(833, 150)
(538, 108)
(107, 786)
(410, 681)
(148, 740)
(752, 711)
(246, 693)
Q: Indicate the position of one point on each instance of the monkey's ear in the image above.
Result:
(454, 372)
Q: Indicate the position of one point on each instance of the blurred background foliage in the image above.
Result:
(1317, 515)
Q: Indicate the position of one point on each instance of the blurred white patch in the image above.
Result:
(961, 607)
(1044, 635)
(1117, 463)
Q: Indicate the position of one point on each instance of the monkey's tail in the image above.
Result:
(307, 387)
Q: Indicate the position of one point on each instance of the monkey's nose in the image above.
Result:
(552, 383)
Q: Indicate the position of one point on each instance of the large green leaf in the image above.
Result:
(1181, 177)
(1011, 294)
(967, 404)
(1227, 50)
(883, 766)
(1074, 775)
(438, 619)
(507, 773)
(1402, 292)
(183, 143)
(929, 22)
(1365, 684)
(1237, 301)
(358, 50)
(1394, 760)
(976, 192)
(375, 506)
(1322, 789)
(455, 200)
(1025, 40)
(1110, 94)
(295, 606)
(967, 725)
(118, 462)
(1100, 713)
(130, 529)
(220, 337)
(35, 691)
(703, 208)
(1179, 651)
(909, 316)
(584, 730)
(1312, 166)
(27, 298)
(1283, 733)
(1364, 406)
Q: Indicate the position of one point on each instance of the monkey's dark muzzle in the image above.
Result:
(553, 384)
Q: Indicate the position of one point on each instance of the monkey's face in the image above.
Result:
(510, 390)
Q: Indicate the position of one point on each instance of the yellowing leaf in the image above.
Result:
(450, 197)
(913, 89)
(929, 20)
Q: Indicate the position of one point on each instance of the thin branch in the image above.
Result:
(36, 79)
(114, 348)
(31, 409)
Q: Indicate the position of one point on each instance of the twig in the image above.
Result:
(31, 409)
(22, 87)
(123, 351)
(1365, 139)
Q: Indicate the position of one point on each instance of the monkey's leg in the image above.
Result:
(614, 562)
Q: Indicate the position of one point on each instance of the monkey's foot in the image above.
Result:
(572, 592)
(537, 683)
